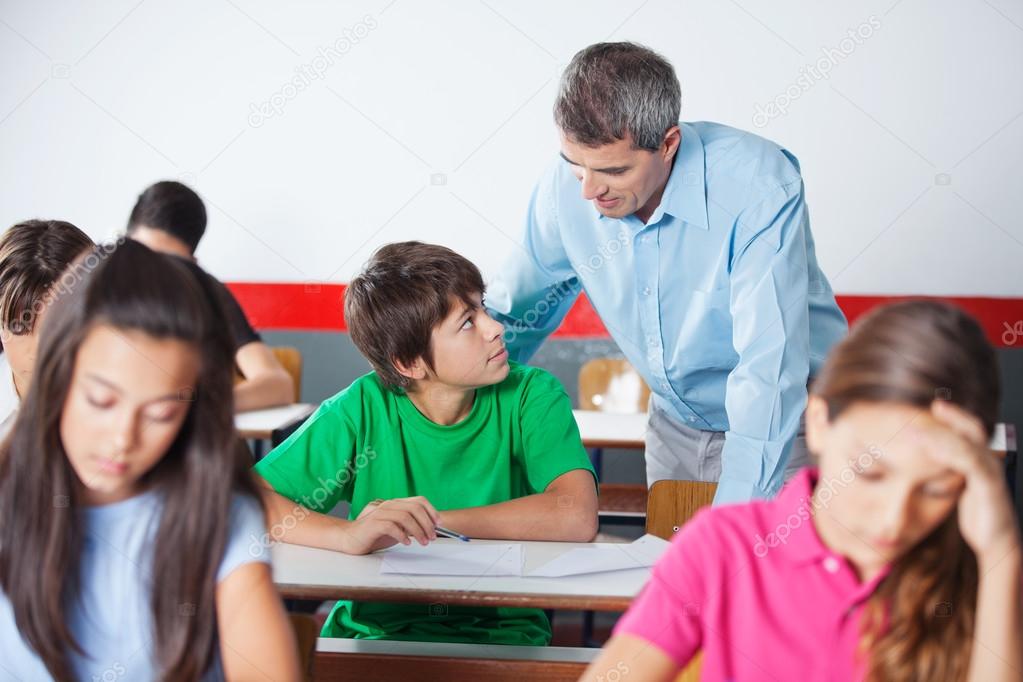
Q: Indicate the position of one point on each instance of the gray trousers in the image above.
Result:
(680, 453)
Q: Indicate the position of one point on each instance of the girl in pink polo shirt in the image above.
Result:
(899, 559)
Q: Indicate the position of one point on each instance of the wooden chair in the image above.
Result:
(291, 360)
(671, 504)
(340, 660)
(613, 385)
(306, 634)
(691, 673)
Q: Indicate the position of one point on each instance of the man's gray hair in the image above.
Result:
(612, 90)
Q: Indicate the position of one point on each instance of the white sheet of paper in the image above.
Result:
(643, 553)
(453, 559)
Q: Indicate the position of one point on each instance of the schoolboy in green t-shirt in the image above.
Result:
(444, 432)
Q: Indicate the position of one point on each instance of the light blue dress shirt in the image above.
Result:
(717, 300)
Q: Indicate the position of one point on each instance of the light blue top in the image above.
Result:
(717, 300)
(112, 619)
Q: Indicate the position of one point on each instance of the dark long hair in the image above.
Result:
(131, 288)
(919, 623)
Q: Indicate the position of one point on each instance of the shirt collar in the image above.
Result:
(685, 194)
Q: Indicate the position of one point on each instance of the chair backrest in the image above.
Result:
(291, 359)
(691, 673)
(670, 504)
(612, 385)
(306, 634)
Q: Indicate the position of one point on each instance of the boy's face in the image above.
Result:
(468, 347)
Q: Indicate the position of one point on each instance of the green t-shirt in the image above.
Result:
(368, 442)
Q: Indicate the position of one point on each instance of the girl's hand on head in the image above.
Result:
(986, 517)
(383, 523)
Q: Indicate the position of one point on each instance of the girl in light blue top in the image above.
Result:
(129, 524)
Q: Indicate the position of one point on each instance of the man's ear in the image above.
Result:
(817, 423)
(672, 140)
(414, 370)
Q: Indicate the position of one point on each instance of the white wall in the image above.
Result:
(101, 99)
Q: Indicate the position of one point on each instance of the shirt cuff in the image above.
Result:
(733, 491)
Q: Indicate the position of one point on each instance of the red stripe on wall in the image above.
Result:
(319, 307)
(283, 305)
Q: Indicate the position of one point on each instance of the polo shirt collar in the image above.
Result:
(792, 517)
(793, 510)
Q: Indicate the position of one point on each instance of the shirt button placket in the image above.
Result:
(646, 285)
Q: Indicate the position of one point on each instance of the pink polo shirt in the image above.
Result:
(753, 587)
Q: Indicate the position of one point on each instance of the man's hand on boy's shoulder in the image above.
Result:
(383, 523)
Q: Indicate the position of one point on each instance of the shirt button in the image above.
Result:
(646, 291)
(831, 565)
(691, 419)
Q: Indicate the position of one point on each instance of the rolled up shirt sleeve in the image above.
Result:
(537, 285)
(766, 391)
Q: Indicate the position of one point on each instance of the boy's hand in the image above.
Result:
(383, 523)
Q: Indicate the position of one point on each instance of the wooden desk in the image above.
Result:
(306, 573)
(611, 429)
(261, 424)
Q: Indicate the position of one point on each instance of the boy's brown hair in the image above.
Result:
(33, 256)
(393, 305)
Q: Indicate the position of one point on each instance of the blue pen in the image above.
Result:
(445, 532)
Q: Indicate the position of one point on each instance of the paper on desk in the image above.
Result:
(439, 558)
(642, 553)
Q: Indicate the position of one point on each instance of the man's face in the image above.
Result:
(618, 178)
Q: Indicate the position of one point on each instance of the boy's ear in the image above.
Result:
(415, 370)
(817, 423)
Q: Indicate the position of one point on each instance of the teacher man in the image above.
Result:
(692, 242)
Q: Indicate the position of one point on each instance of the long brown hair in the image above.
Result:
(41, 537)
(918, 625)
